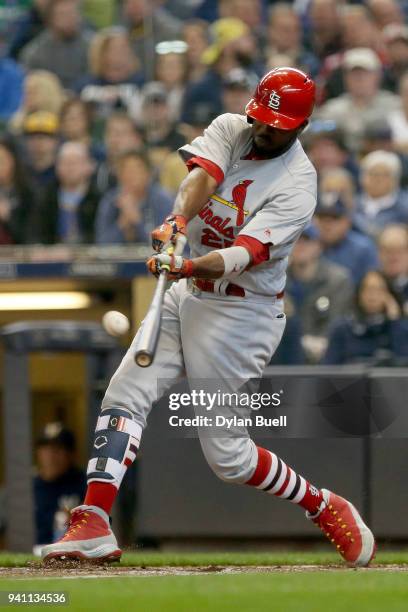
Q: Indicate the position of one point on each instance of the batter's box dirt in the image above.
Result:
(85, 570)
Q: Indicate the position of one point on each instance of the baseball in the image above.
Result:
(115, 323)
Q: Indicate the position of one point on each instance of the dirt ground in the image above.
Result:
(86, 570)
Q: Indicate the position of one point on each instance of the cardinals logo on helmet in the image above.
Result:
(274, 100)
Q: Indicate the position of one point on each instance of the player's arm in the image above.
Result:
(193, 194)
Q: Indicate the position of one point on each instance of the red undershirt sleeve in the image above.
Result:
(210, 167)
(258, 250)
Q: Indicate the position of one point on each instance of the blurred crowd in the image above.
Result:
(97, 95)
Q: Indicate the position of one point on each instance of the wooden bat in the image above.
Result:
(149, 335)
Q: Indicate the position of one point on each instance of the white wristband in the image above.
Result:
(236, 259)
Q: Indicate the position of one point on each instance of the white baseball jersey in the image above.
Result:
(271, 200)
(226, 339)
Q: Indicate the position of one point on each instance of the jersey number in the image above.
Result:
(211, 239)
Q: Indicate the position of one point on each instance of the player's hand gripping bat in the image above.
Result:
(150, 332)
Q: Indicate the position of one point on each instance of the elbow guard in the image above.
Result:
(236, 260)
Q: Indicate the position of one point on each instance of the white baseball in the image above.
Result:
(115, 323)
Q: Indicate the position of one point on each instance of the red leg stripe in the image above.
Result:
(262, 468)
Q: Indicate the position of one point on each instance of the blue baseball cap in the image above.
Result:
(332, 204)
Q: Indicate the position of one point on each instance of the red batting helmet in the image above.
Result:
(283, 99)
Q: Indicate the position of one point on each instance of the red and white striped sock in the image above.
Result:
(272, 475)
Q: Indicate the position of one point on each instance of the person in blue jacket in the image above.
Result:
(376, 333)
(341, 244)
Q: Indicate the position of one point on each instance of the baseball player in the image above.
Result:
(250, 192)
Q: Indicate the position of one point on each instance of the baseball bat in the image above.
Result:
(149, 336)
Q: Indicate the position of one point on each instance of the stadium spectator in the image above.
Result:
(76, 125)
(249, 12)
(172, 72)
(326, 147)
(173, 169)
(364, 102)
(386, 12)
(120, 135)
(42, 92)
(323, 35)
(285, 38)
(375, 334)
(160, 131)
(393, 252)
(41, 139)
(130, 212)
(149, 23)
(237, 89)
(195, 35)
(376, 136)
(358, 29)
(27, 27)
(116, 76)
(396, 43)
(63, 46)
(17, 198)
(339, 180)
(67, 214)
(320, 291)
(11, 87)
(341, 244)
(58, 485)
(233, 47)
(381, 201)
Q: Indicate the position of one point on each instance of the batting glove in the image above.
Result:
(169, 232)
(176, 266)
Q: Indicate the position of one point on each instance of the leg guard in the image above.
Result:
(117, 439)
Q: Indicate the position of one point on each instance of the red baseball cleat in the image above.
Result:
(342, 524)
(88, 536)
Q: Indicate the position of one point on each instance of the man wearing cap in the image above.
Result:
(364, 102)
(41, 137)
(58, 484)
(236, 87)
(161, 134)
(342, 245)
(250, 193)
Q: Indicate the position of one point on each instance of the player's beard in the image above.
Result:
(269, 149)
